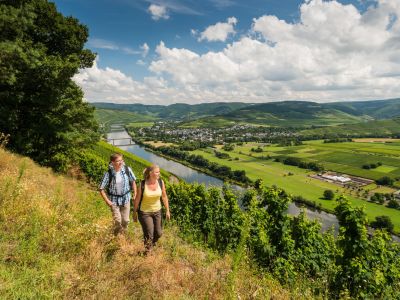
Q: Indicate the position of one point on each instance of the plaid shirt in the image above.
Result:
(112, 188)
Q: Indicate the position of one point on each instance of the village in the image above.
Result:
(171, 132)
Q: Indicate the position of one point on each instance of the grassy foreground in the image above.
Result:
(56, 242)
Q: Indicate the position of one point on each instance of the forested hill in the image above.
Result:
(177, 111)
(286, 113)
(379, 109)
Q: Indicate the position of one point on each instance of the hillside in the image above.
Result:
(56, 243)
(286, 113)
(374, 128)
(379, 109)
(107, 117)
(290, 113)
(178, 111)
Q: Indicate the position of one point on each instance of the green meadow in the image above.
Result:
(346, 157)
(341, 157)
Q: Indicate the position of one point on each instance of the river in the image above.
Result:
(190, 175)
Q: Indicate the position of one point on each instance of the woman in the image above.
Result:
(119, 181)
(147, 206)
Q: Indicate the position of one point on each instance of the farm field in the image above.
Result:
(338, 157)
(346, 157)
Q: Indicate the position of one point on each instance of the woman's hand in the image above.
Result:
(135, 216)
(168, 215)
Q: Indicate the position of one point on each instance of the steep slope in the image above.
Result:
(56, 243)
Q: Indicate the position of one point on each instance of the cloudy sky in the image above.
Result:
(190, 51)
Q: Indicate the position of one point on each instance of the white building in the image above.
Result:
(340, 179)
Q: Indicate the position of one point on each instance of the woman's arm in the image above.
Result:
(165, 201)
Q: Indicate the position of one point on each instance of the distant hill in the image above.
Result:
(378, 109)
(374, 128)
(293, 113)
(285, 113)
(107, 117)
(178, 111)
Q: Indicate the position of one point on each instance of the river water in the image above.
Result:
(190, 175)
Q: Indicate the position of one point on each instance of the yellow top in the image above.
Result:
(151, 199)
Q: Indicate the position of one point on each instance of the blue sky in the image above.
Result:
(170, 51)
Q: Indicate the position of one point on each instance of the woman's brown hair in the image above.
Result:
(148, 170)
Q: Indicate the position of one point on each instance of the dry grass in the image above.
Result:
(56, 243)
(175, 270)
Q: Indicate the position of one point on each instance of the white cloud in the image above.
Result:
(145, 49)
(219, 31)
(102, 44)
(194, 32)
(110, 85)
(158, 12)
(131, 51)
(223, 3)
(109, 45)
(334, 53)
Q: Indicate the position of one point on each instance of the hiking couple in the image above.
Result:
(116, 187)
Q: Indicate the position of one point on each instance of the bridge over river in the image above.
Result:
(120, 141)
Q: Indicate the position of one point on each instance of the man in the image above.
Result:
(119, 181)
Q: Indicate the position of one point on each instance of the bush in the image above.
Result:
(329, 195)
(393, 204)
(385, 180)
(257, 150)
(383, 222)
(228, 147)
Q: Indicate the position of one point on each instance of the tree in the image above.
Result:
(329, 194)
(385, 180)
(383, 222)
(228, 147)
(41, 108)
(393, 204)
(258, 184)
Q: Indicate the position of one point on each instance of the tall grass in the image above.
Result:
(56, 243)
